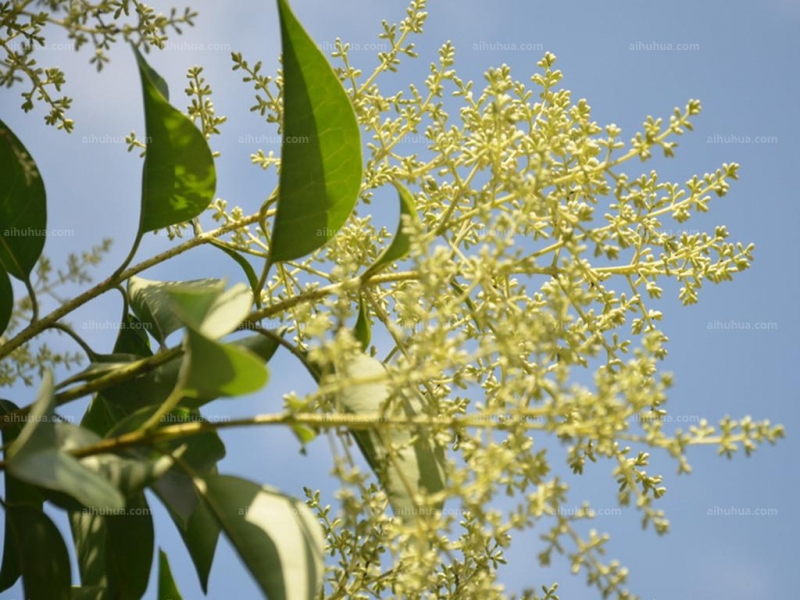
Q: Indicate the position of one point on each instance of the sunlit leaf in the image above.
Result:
(167, 589)
(401, 243)
(321, 166)
(277, 537)
(179, 177)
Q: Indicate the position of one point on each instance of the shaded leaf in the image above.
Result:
(130, 540)
(249, 272)
(179, 177)
(277, 537)
(42, 554)
(6, 300)
(23, 207)
(412, 467)
(17, 493)
(321, 166)
(132, 338)
(401, 243)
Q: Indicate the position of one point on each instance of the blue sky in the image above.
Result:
(629, 59)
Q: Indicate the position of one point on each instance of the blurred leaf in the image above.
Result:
(42, 554)
(277, 537)
(216, 369)
(321, 166)
(212, 314)
(167, 590)
(410, 468)
(179, 177)
(363, 329)
(401, 243)
(23, 207)
(34, 457)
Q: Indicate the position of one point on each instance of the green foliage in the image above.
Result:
(516, 277)
(321, 152)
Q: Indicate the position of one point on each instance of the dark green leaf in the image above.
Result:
(17, 493)
(129, 549)
(23, 207)
(89, 593)
(363, 330)
(179, 177)
(321, 166)
(132, 338)
(6, 300)
(42, 554)
(35, 457)
(400, 243)
(167, 590)
(220, 369)
(414, 466)
(249, 272)
(277, 537)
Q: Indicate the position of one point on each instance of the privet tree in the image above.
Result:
(524, 260)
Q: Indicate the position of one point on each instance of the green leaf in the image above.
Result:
(132, 338)
(321, 166)
(6, 300)
(216, 369)
(213, 315)
(23, 207)
(17, 493)
(413, 466)
(130, 540)
(363, 330)
(277, 537)
(400, 243)
(42, 554)
(35, 457)
(249, 272)
(167, 590)
(89, 593)
(115, 548)
(179, 177)
(155, 308)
